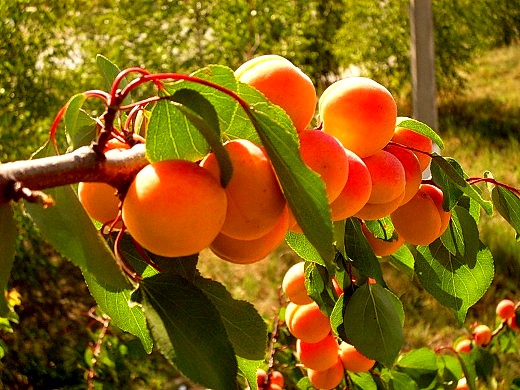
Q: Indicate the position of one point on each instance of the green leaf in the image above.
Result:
(420, 361)
(449, 175)
(248, 369)
(245, 328)
(300, 244)
(400, 381)
(199, 111)
(508, 206)
(189, 332)
(303, 188)
(337, 317)
(109, 70)
(373, 323)
(381, 228)
(80, 128)
(170, 135)
(8, 235)
(319, 286)
(421, 128)
(363, 380)
(449, 279)
(359, 251)
(467, 362)
(403, 260)
(462, 235)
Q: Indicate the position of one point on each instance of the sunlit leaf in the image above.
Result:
(403, 260)
(80, 128)
(248, 368)
(451, 280)
(373, 323)
(508, 206)
(462, 236)
(109, 70)
(421, 128)
(319, 286)
(303, 248)
(8, 234)
(189, 332)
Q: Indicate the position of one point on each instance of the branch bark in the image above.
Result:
(118, 167)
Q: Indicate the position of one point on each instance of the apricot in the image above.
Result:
(482, 335)
(329, 378)
(415, 141)
(388, 185)
(360, 112)
(250, 251)
(276, 378)
(379, 246)
(307, 322)
(255, 200)
(513, 323)
(462, 384)
(174, 208)
(283, 84)
(505, 309)
(353, 360)
(325, 155)
(320, 355)
(356, 192)
(464, 345)
(422, 220)
(412, 170)
(293, 284)
(100, 201)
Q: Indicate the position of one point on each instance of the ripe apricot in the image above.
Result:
(320, 355)
(329, 378)
(100, 201)
(307, 322)
(379, 246)
(283, 84)
(422, 220)
(482, 335)
(353, 360)
(412, 170)
(505, 309)
(464, 345)
(513, 323)
(293, 284)
(250, 251)
(415, 141)
(174, 208)
(388, 185)
(255, 200)
(360, 112)
(356, 192)
(276, 379)
(325, 155)
(462, 384)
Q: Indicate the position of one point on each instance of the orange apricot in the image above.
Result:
(255, 200)
(512, 322)
(353, 360)
(174, 208)
(482, 335)
(379, 246)
(463, 345)
(100, 201)
(360, 112)
(283, 84)
(307, 322)
(276, 378)
(372, 211)
(356, 192)
(415, 141)
(329, 378)
(293, 284)
(250, 251)
(505, 309)
(320, 355)
(412, 170)
(325, 155)
(422, 220)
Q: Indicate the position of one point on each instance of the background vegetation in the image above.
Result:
(48, 54)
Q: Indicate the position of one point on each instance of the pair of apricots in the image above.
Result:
(176, 208)
(317, 348)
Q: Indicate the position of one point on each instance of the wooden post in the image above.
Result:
(423, 62)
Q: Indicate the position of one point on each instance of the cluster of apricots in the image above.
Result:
(370, 169)
(273, 380)
(324, 356)
(482, 335)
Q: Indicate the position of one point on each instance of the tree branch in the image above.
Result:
(117, 167)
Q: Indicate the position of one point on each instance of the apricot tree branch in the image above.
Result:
(19, 179)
